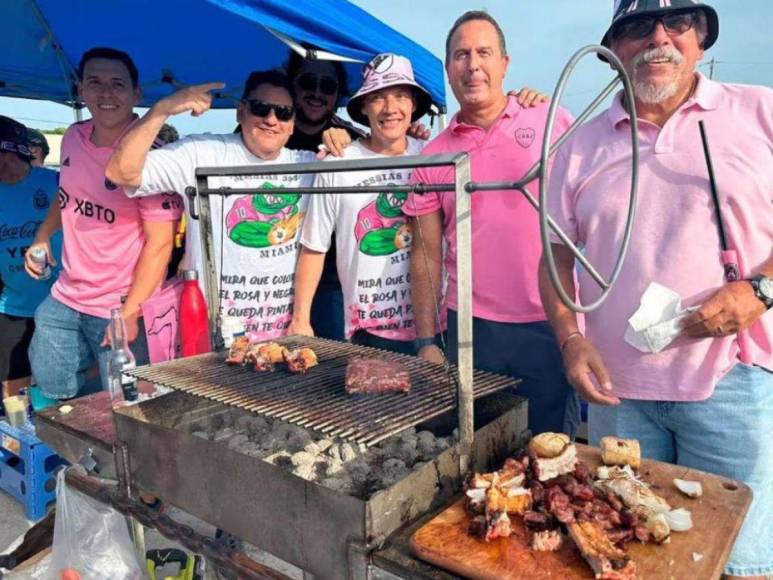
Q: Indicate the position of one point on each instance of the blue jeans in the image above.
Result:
(727, 434)
(66, 344)
(526, 351)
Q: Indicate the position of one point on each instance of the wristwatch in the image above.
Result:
(763, 289)
(420, 343)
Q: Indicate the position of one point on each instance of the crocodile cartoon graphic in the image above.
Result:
(264, 219)
(381, 228)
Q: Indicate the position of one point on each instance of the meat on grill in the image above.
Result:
(376, 376)
(237, 351)
(300, 360)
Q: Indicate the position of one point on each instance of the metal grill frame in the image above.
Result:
(462, 188)
(316, 400)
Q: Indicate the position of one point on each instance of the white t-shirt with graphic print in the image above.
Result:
(373, 245)
(260, 231)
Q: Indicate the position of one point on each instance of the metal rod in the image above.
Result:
(463, 221)
(397, 162)
(211, 276)
(713, 184)
(533, 173)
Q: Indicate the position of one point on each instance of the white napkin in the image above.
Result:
(656, 323)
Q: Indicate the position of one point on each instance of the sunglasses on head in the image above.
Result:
(310, 82)
(675, 23)
(263, 109)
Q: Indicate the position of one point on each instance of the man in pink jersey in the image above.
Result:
(114, 246)
(510, 331)
(705, 400)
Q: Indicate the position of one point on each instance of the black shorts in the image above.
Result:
(15, 336)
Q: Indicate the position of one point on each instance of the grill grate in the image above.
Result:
(317, 400)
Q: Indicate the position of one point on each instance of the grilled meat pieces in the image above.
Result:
(237, 351)
(300, 360)
(375, 376)
(607, 561)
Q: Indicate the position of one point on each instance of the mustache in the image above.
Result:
(663, 52)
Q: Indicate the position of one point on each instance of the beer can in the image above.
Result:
(38, 256)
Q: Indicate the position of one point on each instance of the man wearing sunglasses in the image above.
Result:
(704, 400)
(317, 88)
(257, 255)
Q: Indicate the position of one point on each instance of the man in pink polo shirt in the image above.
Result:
(706, 399)
(511, 335)
(113, 246)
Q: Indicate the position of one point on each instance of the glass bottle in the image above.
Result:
(122, 386)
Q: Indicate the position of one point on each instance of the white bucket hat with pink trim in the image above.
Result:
(388, 70)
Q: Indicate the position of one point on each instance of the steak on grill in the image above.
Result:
(376, 376)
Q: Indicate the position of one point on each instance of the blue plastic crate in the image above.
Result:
(28, 469)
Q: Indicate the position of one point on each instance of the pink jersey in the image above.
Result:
(369, 219)
(103, 231)
(506, 244)
(675, 239)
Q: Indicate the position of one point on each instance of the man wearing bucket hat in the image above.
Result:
(503, 139)
(372, 237)
(26, 193)
(705, 398)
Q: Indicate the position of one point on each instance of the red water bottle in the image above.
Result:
(194, 321)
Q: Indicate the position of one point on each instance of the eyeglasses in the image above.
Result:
(263, 109)
(675, 23)
(310, 82)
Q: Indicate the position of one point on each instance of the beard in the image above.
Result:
(300, 115)
(648, 91)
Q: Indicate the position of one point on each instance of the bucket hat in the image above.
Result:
(628, 9)
(387, 70)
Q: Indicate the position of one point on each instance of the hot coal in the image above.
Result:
(341, 466)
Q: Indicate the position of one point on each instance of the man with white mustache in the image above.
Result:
(705, 400)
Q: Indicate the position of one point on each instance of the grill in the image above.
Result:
(317, 400)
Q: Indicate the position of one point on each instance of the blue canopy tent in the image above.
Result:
(182, 42)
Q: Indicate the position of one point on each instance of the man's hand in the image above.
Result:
(432, 353)
(528, 98)
(301, 327)
(586, 372)
(197, 99)
(33, 268)
(335, 141)
(131, 323)
(733, 308)
(417, 130)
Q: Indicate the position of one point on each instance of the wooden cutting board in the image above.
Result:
(699, 553)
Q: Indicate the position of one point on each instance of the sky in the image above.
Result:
(541, 37)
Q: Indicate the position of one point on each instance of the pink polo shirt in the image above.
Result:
(103, 231)
(506, 244)
(675, 239)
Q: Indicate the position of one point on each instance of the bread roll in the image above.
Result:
(616, 451)
(549, 445)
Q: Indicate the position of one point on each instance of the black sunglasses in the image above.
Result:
(310, 82)
(675, 23)
(263, 109)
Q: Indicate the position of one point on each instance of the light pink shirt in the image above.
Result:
(505, 228)
(675, 239)
(103, 232)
